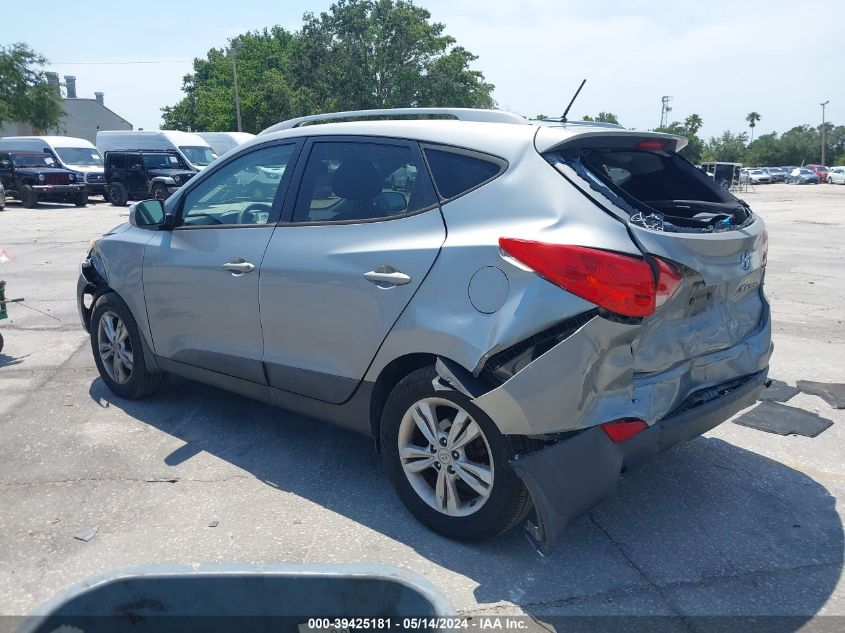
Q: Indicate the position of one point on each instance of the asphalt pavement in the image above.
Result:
(737, 522)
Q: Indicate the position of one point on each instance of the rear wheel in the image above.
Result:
(117, 194)
(118, 350)
(29, 198)
(449, 463)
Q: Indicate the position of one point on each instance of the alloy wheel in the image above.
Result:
(115, 347)
(446, 457)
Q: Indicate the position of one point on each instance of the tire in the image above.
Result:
(160, 191)
(137, 382)
(1, 342)
(81, 199)
(507, 500)
(117, 194)
(29, 198)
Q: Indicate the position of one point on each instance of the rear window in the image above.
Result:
(658, 189)
(456, 173)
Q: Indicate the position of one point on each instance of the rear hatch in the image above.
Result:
(674, 213)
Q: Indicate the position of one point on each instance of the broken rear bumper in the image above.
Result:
(568, 478)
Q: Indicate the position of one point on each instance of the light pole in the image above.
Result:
(233, 53)
(823, 106)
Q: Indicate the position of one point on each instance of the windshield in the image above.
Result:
(82, 156)
(163, 161)
(200, 156)
(807, 172)
(32, 159)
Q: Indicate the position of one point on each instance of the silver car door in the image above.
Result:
(365, 230)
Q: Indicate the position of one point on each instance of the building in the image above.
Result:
(84, 117)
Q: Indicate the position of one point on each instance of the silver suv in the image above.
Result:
(516, 311)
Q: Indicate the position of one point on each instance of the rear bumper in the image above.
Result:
(568, 478)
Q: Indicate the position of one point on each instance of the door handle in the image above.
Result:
(239, 267)
(387, 277)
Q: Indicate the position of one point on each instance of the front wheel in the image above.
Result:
(81, 199)
(29, 197)
(118, 350)
(449, 463)
(160, 192)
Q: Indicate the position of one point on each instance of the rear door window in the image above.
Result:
(457, 172)
(354, 181)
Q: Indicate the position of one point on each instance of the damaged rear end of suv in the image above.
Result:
(664, 332)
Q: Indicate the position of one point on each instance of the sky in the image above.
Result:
(719, 58)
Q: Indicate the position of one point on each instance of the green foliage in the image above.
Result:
(727, 148)
(752, 119)
(359, 54)
(24, 94)
(688, 129)
(603, 117)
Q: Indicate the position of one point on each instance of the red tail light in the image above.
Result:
(625, 429)
(652, 143)
(622, 284)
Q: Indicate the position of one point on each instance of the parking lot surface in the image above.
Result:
(737, 522)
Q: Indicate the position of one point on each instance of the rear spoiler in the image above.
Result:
(549, 139)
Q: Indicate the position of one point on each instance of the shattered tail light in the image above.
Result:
(625, 429)
(619, 283)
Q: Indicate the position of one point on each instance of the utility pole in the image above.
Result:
(823, 130)
(665, 110)
(233, 52)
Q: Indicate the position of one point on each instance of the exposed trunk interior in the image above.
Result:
(659, 189)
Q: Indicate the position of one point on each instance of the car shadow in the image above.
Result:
(8, 361)
(708, 528)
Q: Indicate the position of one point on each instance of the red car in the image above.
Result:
(820, 171)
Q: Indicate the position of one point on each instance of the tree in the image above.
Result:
(359, 54)
(727, 148)
(693, 123)
(752, 119)
(603, 117)
(689, 129)
(25, 95)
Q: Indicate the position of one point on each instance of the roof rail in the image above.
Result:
(461, 114)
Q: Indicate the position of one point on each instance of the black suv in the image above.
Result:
(141, 174)
(34, 176)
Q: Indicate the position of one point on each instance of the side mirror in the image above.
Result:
(149, 214)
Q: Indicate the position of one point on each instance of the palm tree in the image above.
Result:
(693, 123)
(752, 119)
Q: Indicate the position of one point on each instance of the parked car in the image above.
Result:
(140, 175)
(776, 173)
(802, 176)
(755, 176)
(836, 175)
(531, 317)
(222, 142)
(788, 169)
(32, 177)
(819, 170)
(193, 150)
(76, 154)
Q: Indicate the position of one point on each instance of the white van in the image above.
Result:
(75, 154)
(193, 149)
(222, 142)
